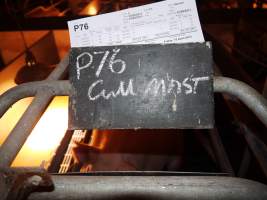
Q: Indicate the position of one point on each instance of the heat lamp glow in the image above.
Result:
(92, 10)
(46, 136)
(49, 131)
(92, 7)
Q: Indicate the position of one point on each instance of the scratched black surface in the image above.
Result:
(143, 63)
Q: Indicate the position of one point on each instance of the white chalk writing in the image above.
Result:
(103, 60)
(82, 57)
(112, 62)
(197, 79)
(160, 86)
(188, 86)
(121, 91)
(172, 86)
(156, 87)
(166, 87)
(111, 65)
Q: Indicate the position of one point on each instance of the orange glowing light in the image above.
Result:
(92, 10)
(264, 5)
(49, 131)
(47, 134)
(254, 5)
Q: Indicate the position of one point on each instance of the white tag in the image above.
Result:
(170, 21)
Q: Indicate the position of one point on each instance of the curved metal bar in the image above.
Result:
(57, 88)
(30, 117)
(257, 147)
(152, 187)
(23, 128)
(249, 96)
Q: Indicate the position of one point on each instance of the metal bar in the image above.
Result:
(257, 147)
(19, 134)
(23, 128)
(152, 187)
(249, 96)
(57, 88)
(206, 143)
(243, 169)
(219, 151)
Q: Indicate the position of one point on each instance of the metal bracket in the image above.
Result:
(19, 183)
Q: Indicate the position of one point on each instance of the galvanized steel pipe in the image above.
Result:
(249, 96)
(23, 128)
(57, 88)
(152, 187)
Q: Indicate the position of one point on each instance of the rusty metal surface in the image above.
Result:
(18, 183)
(249, 96)
(23, 128)
(152, 187)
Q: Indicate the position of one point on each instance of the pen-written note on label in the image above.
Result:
(170, 21)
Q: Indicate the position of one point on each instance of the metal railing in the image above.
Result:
(153, 187)
(44, 91)
(23, 128)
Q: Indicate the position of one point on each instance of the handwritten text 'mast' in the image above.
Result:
(156, 86)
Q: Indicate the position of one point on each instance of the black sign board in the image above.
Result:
(141, 86)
